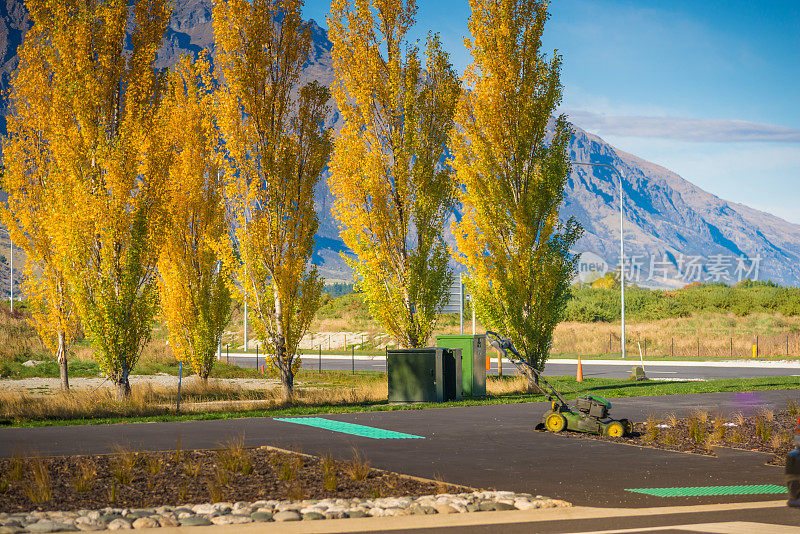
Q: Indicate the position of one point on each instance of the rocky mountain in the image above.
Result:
(675, 233)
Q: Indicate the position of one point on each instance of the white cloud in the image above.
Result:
(764, 176)
(683, 129)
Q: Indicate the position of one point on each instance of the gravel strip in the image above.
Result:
(225, 513)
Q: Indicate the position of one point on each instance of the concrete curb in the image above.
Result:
(461, 520)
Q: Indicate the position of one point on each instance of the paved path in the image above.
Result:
(479, 446)
(669, 370)
(770, 517)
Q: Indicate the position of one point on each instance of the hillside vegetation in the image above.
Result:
(590, 304)
(705, 321)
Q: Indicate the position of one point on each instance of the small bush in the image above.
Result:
(38, 487)
(358, 468)
(123, 464)
(85, 477)
(328, 467)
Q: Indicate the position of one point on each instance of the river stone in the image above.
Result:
(89, 527)
(168, 520)
(312, 516)
(287, 515)
(233, 519)
(261, 517)
(442, 508)
(487, 506)
(145, 522)
(10, 529)
(472, 507)
(502, 506)
(204, 509)
(118, 524)
(109, 517)
(45, 525)
(195, 521)
(356, 513)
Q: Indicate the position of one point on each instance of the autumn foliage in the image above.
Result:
(195, 298)
(392, 192)
(276, 147)
(103, 150)
(513, 169)
(34, 211)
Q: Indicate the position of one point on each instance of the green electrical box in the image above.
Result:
(473, 361)
(424, 375)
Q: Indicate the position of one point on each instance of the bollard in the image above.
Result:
(579, 376)
(793, 471)
(353, 358)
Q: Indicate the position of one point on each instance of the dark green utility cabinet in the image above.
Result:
(473, 361)
(424, 375)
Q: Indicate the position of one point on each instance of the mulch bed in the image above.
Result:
(141, 480)
(767, 431)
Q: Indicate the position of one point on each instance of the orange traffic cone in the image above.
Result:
(579, 378)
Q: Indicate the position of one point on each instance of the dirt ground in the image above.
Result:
(132, 479)
(767, 431)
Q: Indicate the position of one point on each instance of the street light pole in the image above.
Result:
(621, 242)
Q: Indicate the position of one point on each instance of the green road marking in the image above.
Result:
(348, 428)
(758, 489)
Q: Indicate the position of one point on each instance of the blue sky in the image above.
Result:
(708, 89)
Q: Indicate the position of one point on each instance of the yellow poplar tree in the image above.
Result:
(34, 198)
(276, 147)
(392, 192)
(513, 173)
(195, 298)
(106, 153)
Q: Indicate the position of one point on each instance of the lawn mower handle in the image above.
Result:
(505, 345)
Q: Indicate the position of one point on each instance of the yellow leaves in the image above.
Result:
(195, 299)
(391, 195)
(510, 238)
(276, 150)
(103, 163)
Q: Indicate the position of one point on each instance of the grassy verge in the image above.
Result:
(335, 392)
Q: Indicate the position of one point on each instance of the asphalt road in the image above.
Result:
(478, 446)
(608, 369)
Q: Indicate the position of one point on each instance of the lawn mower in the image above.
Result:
(591, 411)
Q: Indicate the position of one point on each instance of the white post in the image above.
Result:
(245, 324)
(461, 303)
(472, 303)
(622, 259)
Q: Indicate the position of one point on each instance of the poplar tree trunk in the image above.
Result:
(123, 386)
(287, 381)
(61, 357)
(285, 366)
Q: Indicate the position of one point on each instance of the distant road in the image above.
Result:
(670, 370)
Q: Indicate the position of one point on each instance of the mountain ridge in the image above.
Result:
(669, 221)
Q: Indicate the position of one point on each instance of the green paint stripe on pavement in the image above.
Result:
(348, 428)
(706, 491)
